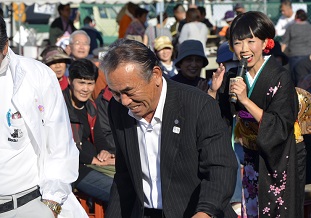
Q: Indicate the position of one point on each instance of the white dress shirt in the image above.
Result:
(283, 23)
(149, 138)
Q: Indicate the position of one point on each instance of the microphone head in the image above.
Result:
(243, 62)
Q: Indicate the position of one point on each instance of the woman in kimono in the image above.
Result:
(266, 113)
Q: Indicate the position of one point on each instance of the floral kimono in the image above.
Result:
(273, 182)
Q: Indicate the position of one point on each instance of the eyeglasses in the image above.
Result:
(78, 43)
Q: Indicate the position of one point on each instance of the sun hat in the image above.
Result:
(190, 47)
(229, 16)
(224, 54)
(162, 42)
(54, 53)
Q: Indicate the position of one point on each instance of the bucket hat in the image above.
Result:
(229, 16)
(190, 47)
(54, 53)
(224, 54)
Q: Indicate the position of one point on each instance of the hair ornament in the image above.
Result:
(269, 46)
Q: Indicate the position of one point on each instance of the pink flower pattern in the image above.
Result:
(273, 90)
(250, 190)
(277, 191)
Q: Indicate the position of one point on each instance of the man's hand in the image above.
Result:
(51, 207)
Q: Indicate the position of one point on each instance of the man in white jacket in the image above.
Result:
(38, 157)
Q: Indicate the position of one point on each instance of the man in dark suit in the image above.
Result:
(173, 153)
(61, 24)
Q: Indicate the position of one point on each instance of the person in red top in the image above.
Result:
(57, 59)
(126, 19)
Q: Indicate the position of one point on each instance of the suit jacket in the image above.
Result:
(57, 30)
(198, 165)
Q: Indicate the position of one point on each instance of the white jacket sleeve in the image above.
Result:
(59, 156)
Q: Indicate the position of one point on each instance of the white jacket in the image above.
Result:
(38, 97)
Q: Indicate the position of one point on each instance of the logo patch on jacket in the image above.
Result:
(17, 133)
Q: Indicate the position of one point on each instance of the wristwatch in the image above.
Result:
(54, 206)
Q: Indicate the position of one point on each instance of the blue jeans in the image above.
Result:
(293, 61)
(96, 184)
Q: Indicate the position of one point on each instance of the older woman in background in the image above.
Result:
(57, 59)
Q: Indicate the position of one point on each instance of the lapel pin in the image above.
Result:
(176, 121)
(176, 130)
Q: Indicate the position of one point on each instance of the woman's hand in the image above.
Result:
(217, 78)
(239, 88)
(104, 158)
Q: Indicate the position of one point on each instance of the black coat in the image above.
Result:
(198, 166)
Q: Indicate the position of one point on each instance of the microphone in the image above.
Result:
(241, 71)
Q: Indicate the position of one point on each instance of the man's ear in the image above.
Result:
(157, 73)
(6, 48)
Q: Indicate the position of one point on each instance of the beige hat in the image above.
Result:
(54, 53)
(162, 42)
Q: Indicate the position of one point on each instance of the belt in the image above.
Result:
(20, 201)
(152, 212)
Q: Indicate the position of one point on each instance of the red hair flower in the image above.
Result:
(269, 46)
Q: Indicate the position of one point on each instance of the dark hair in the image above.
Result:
(301, 15)
(250, 24)
(61, 7)
(130, 51)
(163, 17)
(286, 2)
(3, 34)
(202, 10)
(87, 20)
(140, 12)
(83, 69)
(192, 14)
(179, 7)
(131, 7)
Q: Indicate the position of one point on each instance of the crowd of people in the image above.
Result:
(142, 130)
